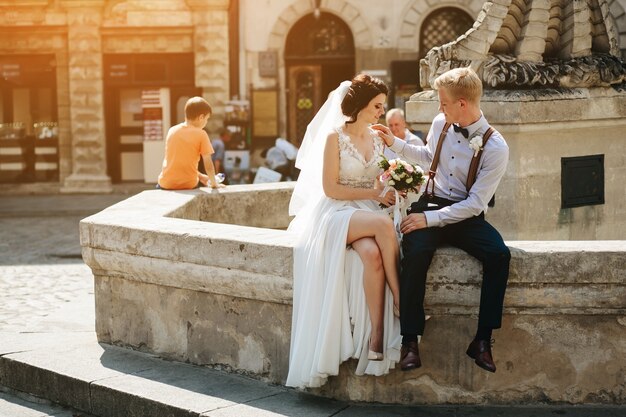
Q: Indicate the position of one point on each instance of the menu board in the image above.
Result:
(265, 113)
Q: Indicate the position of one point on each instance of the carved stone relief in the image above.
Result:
(526, 43)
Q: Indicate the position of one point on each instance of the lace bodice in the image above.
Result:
(354, 170)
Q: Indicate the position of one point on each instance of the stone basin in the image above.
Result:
(205, 277)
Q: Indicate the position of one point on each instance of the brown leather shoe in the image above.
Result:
(480, 351)
(410, 357)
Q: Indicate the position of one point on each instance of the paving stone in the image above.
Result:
(12, 405)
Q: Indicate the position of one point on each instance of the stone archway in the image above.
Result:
(418, 11)
(319, 54)
(362, 35)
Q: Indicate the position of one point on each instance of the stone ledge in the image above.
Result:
(216, 293)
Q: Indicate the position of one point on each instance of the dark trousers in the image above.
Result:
(476, 237)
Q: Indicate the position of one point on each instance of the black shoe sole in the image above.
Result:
(410, 368)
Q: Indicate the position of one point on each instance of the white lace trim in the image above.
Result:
(346, 146)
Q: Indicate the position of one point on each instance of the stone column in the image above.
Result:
(89, 168)
(210, 20)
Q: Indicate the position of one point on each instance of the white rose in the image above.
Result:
(409, 180)
(476, 144)
(391, 182)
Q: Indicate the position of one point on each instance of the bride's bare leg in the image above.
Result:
(374, 286)
(381, 229)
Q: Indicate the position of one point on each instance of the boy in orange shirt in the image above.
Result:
(185, 144)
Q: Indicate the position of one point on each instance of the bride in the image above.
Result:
(345, 290)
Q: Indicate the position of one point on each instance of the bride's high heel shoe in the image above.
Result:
(374, 356)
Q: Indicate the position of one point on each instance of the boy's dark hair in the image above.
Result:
(196, 107)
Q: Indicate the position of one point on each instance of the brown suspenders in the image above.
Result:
(473, 168)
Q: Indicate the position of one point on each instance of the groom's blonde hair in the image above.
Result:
(461, 83)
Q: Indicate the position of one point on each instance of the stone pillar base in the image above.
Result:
(80, 183)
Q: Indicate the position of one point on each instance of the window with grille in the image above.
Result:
(443, 26)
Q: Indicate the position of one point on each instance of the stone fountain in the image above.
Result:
(206, 276)
(555, 87)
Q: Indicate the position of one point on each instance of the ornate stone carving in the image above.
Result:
(503, 71)
(535, 43)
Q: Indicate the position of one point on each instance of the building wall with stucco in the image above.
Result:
(78, 34)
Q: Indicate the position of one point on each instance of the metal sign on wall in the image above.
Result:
(268, 64)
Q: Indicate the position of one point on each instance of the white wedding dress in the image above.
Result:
(330, 321)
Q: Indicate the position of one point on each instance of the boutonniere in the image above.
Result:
(476, 144)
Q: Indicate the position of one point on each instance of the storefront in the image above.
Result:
(145, 94)
(29, 138)
(88, 89)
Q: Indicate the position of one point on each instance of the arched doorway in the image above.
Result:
(319, 54)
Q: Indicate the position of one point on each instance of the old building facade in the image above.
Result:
(89, 86)
(84, 81)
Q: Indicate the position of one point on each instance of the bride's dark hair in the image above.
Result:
(363, 89)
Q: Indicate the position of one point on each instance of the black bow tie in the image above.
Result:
(463, 130)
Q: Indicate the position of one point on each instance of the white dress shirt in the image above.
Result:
(453, 167)
(409, 138)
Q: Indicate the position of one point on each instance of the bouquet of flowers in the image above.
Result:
(400, 175)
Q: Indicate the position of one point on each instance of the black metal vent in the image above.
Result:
(582, 181)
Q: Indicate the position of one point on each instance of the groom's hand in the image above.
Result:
(384, 133)
(413, 222)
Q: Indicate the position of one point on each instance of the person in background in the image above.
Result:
(397, 124)
(281, 157)
(219, 146)
(185, 144)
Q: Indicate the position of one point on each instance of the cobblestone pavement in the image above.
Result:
(40, 269)
(41, 272)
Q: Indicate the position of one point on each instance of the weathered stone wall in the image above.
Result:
(220, 294)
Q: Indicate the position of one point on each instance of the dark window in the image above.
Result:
(443, 26)
(582, 181)
(404, 82)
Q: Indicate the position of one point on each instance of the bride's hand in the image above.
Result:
(384, 133)
(388, 199)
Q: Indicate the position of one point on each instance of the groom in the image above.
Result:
(451, 211)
